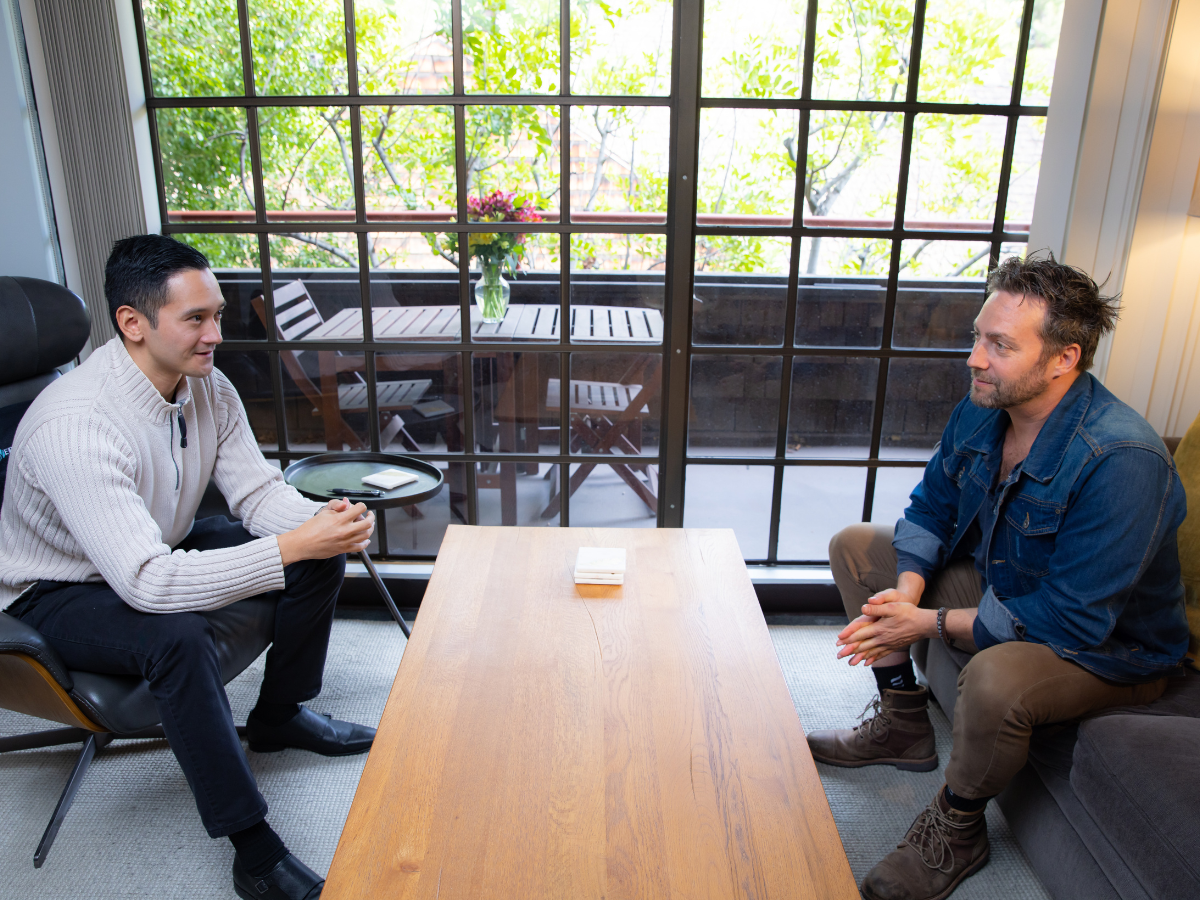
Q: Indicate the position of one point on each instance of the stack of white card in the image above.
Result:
(389, 479)
(600, 565)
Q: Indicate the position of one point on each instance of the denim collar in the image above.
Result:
(1050, 446)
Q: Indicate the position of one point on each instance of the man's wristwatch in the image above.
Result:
(941, 627)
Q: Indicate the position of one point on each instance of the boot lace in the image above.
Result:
(930, 837)
(877, 725)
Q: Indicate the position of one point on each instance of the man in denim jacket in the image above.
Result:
(1042, 539)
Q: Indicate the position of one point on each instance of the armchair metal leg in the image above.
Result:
(52, 738)
(93, 743)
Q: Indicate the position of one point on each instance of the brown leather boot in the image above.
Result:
(942, 847)
(898, 734)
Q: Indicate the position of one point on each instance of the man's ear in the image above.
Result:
(131, 324)
(1067, 360)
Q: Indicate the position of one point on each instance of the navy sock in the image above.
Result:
(274, 714)
(896, 678)
(962, 804)
(259, 848)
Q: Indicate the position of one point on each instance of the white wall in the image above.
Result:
(26, 236)
(1154, 364)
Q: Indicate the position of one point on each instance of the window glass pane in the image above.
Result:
(515, 150)
(619, 163)
(753, 50)
(533, 305)
(817, 503)
(747, 166)
(419, 398)
(969, 50)
(734, 405)
(614, 402)
(327, 400)
(307, 170)
(315, 287)
(832, 407)
(516, 402)
(737, 497)
(414, 291)
(404, 48)
(206, 165)
(618, 287)
(862, 50)
(1043, 52)
(249, 371)
(853, 167)
(234, 261)
(843, 285)
(940, 292)
(418, 530)
(299, 48)
(615, 495)
(921, 394)
(1026, 168)
(518, 494)
(893, 486)
(408, 163)
(193, 47)
(621, 48)
(955, 171)
(739, 291)
(510, 46)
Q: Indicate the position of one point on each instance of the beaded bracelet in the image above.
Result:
(941, 627)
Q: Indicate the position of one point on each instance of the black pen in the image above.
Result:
(355, 492)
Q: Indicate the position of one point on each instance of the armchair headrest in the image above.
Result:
(45, 326)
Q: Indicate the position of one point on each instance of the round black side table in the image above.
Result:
(333, 476)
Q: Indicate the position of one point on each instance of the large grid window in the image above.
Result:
(742, 246)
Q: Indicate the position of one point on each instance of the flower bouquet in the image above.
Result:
(496, 251)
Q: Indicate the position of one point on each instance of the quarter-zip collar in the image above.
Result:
(140, 393)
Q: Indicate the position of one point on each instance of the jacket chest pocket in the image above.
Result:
(1032, 527)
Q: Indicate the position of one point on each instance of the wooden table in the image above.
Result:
(522, 322)
(548, 740)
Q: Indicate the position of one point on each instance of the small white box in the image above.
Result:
(603, 561)
(389, 479)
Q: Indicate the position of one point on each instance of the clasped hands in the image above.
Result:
(338, 527)
(891, 621)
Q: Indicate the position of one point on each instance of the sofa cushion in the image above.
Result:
(1137, 778)
(1187, 461)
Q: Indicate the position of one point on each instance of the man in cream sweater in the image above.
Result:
(100, 552)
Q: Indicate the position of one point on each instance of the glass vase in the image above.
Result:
(492, 293)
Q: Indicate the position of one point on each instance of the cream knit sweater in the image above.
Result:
(99, 489)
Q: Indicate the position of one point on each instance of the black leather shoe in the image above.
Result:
(309, 731)
(290, 880)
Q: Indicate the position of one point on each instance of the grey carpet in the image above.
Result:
(134, 833)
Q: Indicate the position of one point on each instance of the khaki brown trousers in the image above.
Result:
(1003, 691)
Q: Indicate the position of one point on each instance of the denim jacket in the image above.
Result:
(1081, 554)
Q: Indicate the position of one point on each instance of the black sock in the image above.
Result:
(962, 804)
(259, 848)
(896, 678)
(273, 714)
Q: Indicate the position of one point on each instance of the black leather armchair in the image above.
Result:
(45, 327)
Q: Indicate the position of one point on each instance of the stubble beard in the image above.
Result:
(1012, 392)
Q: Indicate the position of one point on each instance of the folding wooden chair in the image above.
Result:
(606, 417)
(296, 317)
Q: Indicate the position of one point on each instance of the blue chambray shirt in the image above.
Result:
(1076, 549)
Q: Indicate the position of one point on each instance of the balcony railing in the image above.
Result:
(708, 220)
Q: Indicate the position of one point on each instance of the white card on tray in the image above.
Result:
(389, 479)
(600, 561)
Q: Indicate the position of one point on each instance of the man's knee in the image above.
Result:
(318, 580)
(992, 683)
(859, 553)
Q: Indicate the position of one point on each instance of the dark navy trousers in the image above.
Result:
(94, 630)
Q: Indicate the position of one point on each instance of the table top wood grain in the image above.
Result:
(551, 740)
(522, 322)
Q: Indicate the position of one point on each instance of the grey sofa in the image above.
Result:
(1108, 809)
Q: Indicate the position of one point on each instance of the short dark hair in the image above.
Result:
(1076, 313)
(138, 270)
